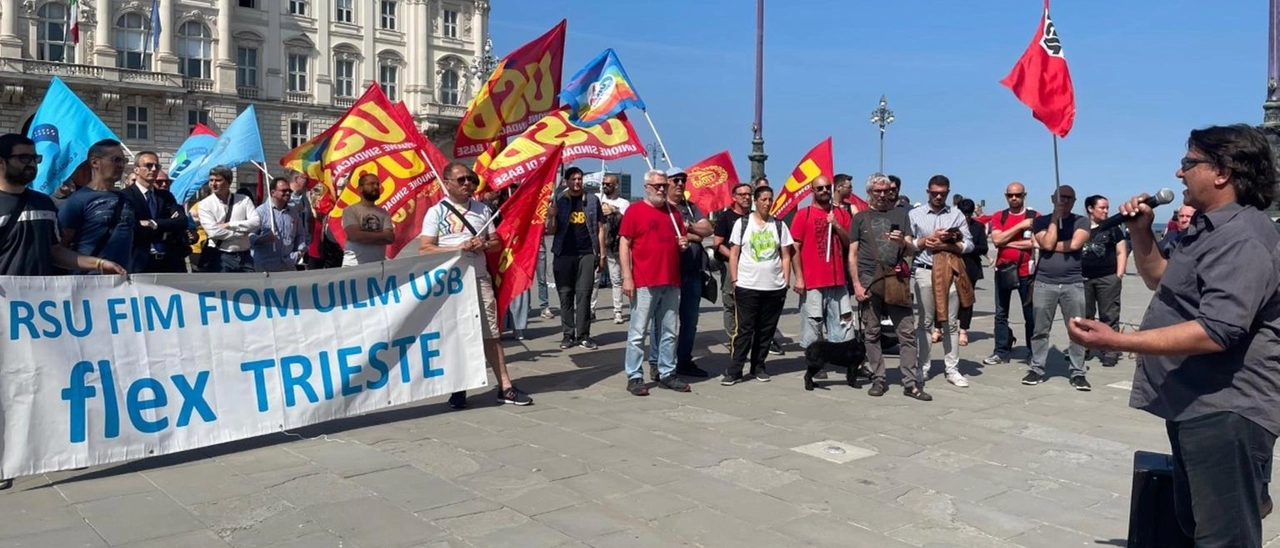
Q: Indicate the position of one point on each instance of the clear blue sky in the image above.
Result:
(1144, 75)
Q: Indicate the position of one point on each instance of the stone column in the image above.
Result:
(10, 44)
(166, 61)
(224, 64)
(322, 84)
(104, 51)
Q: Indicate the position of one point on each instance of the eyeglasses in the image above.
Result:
(939, 193)
(1189, 164)
(880, 191)
(742, 194)
(149, 166)
(27, 158)
(285, 190)
(677, 180)
(824, 188)
(658, 186)
(1015, 194)
(467, 180)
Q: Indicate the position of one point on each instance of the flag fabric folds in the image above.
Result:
(711, 182)
(240, 143)
(73, 16)
(609, 141)
(599, 91)
(522, 218)
(63, 129)
(196, 146)
(156, 26)
(817, 162)
(1041, 80)
(482, 162)
(523, 88)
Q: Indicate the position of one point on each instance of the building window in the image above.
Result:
(136, 126)
(298, 7)
(246, 67)
(343, 11)
(299, 132)
(389, 80)
(249, 4)
(51, 34)
(344, 78)
(130, 42)
(195, 50)
(297, 72)
(388, 9)
(449, 87)
(451, 23)
(196, 117)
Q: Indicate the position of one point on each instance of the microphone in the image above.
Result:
(1163, 197)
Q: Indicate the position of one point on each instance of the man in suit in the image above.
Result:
(160, 219)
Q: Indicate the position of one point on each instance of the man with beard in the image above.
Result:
(227, 219)
(692, 264)
(460, 223)
(613, 206)
(652, 238)
(160, 218)
(821, 234)
(368, 227)
(97, 219)
(577, 247)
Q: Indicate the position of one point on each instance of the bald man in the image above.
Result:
(1181, 222)
(1011, 235)
(1059, 284)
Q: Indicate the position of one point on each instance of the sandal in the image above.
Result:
(964, 337)
(915, 392)
(936, 337)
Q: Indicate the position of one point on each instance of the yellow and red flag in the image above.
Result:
(611, 140)
(522, 218)
(483, 161)
(817, 162)
(523, 88)
(711, 181)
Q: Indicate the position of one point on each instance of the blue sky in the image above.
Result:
(1144, 76)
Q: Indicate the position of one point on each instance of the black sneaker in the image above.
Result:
(588, 344)
(761, 376)
(727, 380)
(566, 343)
(653, 372)
(878, 388)
(1032, 378)
(1081, 384)
(458, 400)
(7, 483)
(673, 382)
(690, 369)
(637, 388)
(915, 392)
(514, 396)
(776, 349)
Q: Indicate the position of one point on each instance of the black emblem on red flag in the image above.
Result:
(1049, 41)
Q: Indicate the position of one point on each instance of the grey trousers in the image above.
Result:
(905, 323)
(1102, 302)
(1046, 300)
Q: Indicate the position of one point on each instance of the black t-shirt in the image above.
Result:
(577, 241)
(1100, 253)
(1060, 268)
(32, 233)
(726, 219)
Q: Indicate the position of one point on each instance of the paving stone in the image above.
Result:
(194, 539)
(127, 483)
(80, 536)
(374, 522)
(559, 468)
(737, 501)
(601, 484)
(587, 520)
(503, 483)
(528, 535)
(265, 459)
(559, 440)
(569, 420)
(1047, 511)
(930, 532)
(543, 499)
(465, 508)
(227, 517)
(440, 458)
(35, 511)
(413, 489)
(134, 518)
(754, 476)
(712, 529)
(636, 538)
(281, 527)
(476, 525)
(819, 530)
(318, 489)
(1048, 536)
(314, 540)
(649, 504)
(203, 482)
(346, 459)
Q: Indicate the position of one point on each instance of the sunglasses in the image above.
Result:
(659, 186)
(1066, 196)
(677, 180)
(1189, 164)
(467, 180)
(149, 166)
(825, 188)
(742, 194)
(1015, 194)
(27, 158)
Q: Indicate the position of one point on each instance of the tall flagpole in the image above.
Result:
(1057, 180)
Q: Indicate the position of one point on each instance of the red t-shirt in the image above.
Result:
(1009, 254)
(809, 230)
(655, 251)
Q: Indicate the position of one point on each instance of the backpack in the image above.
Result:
(742, 229)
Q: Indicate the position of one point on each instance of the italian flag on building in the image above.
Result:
(74, 23)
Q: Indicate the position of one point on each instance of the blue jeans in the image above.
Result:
(653, 303)
(690, 304)
(518, 312)
(1004, 298)
(823, 315)
(540, 272)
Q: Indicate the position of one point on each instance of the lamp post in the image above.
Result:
(757, 155)
(484, 65)
(655, 154)
(882, 116)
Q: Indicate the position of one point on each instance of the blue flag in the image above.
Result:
(240, 143)
(63, 129)
(193, 150)
(600, 91)
(155, 25)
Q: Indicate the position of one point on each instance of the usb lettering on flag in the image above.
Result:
(63, 129)
(817, 162)
(114, 370)
(599, 91)
(611, 140)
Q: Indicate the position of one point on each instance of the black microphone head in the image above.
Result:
(1164, 196)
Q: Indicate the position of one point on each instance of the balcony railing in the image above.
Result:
(447, 111)
(247, 92)
(300, 97)
(89, 72)
(197, 84)
(344, 102)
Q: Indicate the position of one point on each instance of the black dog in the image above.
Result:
(849, 354)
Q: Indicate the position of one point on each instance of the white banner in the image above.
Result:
(99, 369)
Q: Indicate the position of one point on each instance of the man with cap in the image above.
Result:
(692, 264)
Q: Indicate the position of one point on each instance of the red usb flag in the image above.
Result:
(1041, 79)
(522, 217)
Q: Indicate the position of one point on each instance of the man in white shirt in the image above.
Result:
(368, 227)
(459, 223)
(227, 219)
(613, 206)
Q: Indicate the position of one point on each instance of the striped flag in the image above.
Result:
(74, 15)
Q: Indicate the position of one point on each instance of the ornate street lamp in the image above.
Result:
(484, 65)
(882, 116)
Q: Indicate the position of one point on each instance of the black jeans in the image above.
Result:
(1221, 467)
(758, 313)
(1004, 298)
(575, 277)
(215, 261)
(1102, 301)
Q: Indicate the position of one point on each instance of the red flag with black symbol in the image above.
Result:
(520, 228)
(1041, 79)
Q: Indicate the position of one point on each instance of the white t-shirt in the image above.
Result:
(760, 262)
(618, 203)
(371, 219)
(444, 225)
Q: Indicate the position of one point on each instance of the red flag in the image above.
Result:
(817, 162)
(522, 216)
(859, 205)
(1041, 79)
(711, 181)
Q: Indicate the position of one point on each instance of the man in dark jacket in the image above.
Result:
(160, 219)
(578, 246)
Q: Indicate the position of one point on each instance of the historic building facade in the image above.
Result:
(301, 62)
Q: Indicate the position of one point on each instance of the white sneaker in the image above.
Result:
(617, 317)
(954, 377)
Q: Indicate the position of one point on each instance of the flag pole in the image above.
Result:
(1056, 178)
(659, 137)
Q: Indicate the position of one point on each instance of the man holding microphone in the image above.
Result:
(1210, 339)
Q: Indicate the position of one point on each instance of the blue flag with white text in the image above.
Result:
(239, 143)
(63, 129)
